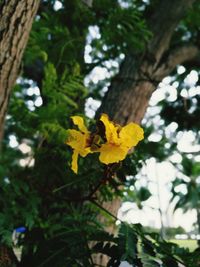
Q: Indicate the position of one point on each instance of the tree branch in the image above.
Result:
(163, 22)
(185, 53)
(193, 63)
(127, 99)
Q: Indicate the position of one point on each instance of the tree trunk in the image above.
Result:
(130, 91)
(16, 18)
(139, 75)
(15, 25)
(198, 224)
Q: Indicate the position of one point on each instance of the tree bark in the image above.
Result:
(130, 91)
(139, 75)
(198, 224)
(16, 18)
(15, 25)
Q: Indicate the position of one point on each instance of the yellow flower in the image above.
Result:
(78, 140)
(119, 140)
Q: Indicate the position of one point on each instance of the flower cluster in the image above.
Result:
(113, 146)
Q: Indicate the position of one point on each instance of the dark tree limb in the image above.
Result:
(183, 54)
(163, 23)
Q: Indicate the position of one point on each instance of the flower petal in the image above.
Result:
(131, 134)
(77, 120)
(110, 153)
(74, 165)
(85, 151)
(76, 139)
(110, 129)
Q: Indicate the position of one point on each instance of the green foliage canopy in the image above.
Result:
(38, 189)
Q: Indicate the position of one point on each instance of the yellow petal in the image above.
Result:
(77, 120)
(85, 151)
(76, 140)
(74, 165)
(110, 153)
(131, 134)
(110, 129)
